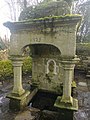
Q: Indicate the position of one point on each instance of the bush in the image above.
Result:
(27, 65)
(6, 68)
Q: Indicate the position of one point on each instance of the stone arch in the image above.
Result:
(43, 46)
(42, 55)
(24, 38)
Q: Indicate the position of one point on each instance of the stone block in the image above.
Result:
(18, 103)
(66, 105)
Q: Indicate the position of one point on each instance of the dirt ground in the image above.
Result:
(83, 96)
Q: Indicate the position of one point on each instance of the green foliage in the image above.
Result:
(46, 8)
(27, 65)
(83, 49)
(5, 69)
(83, 7)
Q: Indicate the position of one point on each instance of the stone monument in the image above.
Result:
(50, 31)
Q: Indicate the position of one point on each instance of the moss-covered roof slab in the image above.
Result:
(43, 22)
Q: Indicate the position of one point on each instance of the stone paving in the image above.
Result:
(83, 95)
(83, 92)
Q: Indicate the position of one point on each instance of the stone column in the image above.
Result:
(68, 67)
(17, 67)
(66, 101)
(19, 98)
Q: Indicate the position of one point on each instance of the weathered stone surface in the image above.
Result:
(84, 99)
(53, 46)
(82, 115)
(82, 84)
(53, 115)
(4, 103)
(40, 71)
(18, 103)
(52, 39)
(49, 115)
(25, 115)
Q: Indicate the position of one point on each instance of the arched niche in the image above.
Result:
(51, 63)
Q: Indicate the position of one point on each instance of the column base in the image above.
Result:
(18, 102)
(68, 100)
(18, 93)
(71, 104)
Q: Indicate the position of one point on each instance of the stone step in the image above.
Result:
(88, 71)
(88, 75)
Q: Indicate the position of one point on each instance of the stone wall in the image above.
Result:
(46, 68)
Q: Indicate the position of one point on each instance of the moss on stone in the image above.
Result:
(63, 105)
(73, 84)
(62, 17)
(68, 16)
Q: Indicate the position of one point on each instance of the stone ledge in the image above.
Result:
(18, 103)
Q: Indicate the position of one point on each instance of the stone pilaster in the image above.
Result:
(67, 101)
(19, 98)
(68, 67)
(17, 67)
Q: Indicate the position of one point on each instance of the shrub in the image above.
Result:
(6, 69)
(27, 65)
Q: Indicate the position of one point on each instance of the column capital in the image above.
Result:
(69, 63)
(17, 60)
(70, 60)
